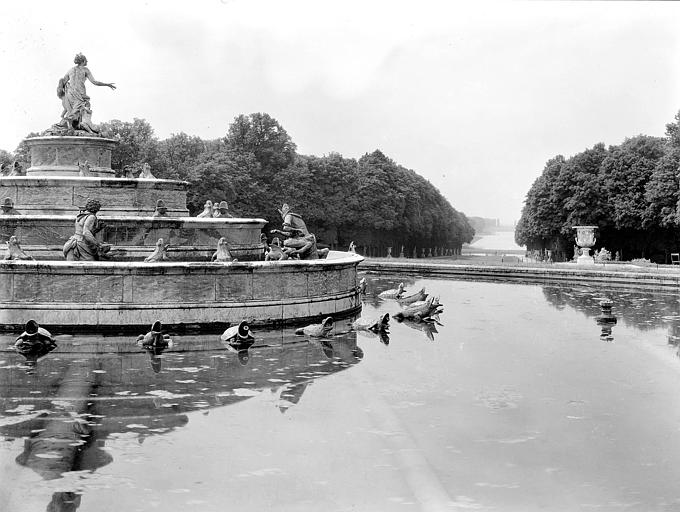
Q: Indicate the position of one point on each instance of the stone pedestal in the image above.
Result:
(585, 239)
(59, 156)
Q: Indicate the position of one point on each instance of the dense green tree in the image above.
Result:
(137, 144)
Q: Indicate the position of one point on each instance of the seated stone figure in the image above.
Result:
(161, 210)
(83, 246)
(7, 207)
(222, 210)
(299, 242)
(275, 252)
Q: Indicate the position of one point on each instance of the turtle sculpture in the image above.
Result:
(14, 250)
(34, 338)
(222, 253)
(405, 300)
(317, 330)
(381, 323)
(420, 311)
(238, 337)
(160, 253)
(275, 251)
(155, 338)
(393, 293)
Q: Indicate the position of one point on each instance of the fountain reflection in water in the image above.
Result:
(90, 388)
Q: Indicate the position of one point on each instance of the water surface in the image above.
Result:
(516, 399)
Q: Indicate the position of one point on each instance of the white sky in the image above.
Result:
(475, 97)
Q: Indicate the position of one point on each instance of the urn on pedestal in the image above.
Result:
(585, 238)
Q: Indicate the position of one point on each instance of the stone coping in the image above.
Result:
(165, 267)
(616, 274)
(195, 221)
(69, 138)
(94, 180)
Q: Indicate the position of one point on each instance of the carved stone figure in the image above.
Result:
(155, 338)
(14, 250)
(421, 311)
(222, 210)
(83, 246)
(146, 172)
(401, 253)
(160, 253)
(76, 115)
(84, 169)
(275, 252)
(161, 210)
(5, 169)
(32, 337)
(222, 253)
(7, 207)
(352, 247)
(394, 293)
(389, 252)
(239, 337)
(317, 330)
(381, 323)
(299, 242)
(207, 209)
(406, 300)
(17, 170)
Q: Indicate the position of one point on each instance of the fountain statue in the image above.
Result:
(88, 245)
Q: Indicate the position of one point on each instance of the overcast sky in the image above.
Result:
(475, 97)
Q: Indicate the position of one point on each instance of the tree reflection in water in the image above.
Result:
(91, 387)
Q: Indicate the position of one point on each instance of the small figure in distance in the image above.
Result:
(275, 252)
(160, 253)
(7, 207)
(222, 210)
(146, 172)
(84, 169)
(207, 209)
(14, 250)
(161, 210)
(352, 247)
(222, 253)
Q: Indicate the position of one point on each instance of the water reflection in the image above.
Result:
(645, 310)
(428, 327)
(90, 388)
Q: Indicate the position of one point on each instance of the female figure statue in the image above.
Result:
(71, 89)
(83, 246)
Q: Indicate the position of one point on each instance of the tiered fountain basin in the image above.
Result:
(60, 155)
(134, 238)
(72, 296)
(59, 195)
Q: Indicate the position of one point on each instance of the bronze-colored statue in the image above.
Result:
(7, 207)
(14, 250)
(83, 245)
(160, 253)
(77, 115)
(207, 209)
(299, 242)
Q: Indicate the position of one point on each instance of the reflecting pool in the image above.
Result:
(517, 397)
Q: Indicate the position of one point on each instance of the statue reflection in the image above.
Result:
(92, 386)
(428, 327)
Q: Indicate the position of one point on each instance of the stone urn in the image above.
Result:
(585, 239)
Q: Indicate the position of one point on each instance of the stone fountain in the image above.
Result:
(71, 165)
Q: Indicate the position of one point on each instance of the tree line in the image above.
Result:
(629, 191)
(255, 167)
